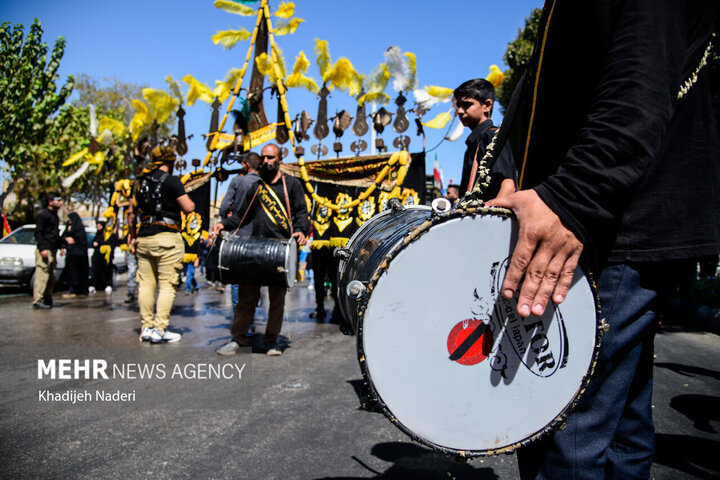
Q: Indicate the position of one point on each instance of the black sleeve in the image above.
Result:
(175, 187)
(300, 218)
(233, 222)
(504, 165)
(229, 198)
(625, 126)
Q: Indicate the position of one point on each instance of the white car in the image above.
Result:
(17, 256)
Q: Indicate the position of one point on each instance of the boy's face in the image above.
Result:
(472, 112)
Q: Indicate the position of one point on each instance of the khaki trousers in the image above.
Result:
(159, 259)
(248, 296)
(44, 282)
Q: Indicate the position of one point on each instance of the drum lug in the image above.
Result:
(604, 326)
(355, 289)
(342, 254)
(396, 205)
(441, 205)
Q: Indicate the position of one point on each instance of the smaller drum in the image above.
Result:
(257, 261)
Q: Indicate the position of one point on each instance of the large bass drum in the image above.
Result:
(257, 261)
(447, 358)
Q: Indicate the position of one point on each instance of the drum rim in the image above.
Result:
(436, 219)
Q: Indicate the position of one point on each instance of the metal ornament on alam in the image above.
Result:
(321, 129)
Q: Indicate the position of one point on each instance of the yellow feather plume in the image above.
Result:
(344, 76)
(141, 118)
(297, 79)
(142, 111)
(97, 159)
(322, 54)
(115, 127)
(228, 38)
(74, 158)
(287, 28)
(197, 91)
(378, 97)
(375, 85)
(285, 10)
(265, 66)
(439, 121)
(232, 7)
(412, 65)
(496, 76)
(439, 92)
(161, 103)
(223, 88)
(174, 88)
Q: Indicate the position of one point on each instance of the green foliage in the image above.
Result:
(30, 99)
(110, 97)
(517, 57)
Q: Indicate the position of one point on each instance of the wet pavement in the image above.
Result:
(296, 416)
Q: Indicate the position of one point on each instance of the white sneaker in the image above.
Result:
(108, 289)
(165, 337)
(91, 290)
(146, 334)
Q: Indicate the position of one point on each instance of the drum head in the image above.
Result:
(291, 263)
(451, 361)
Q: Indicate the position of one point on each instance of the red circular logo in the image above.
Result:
(469, 342)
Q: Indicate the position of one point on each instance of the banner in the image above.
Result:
(343, 180)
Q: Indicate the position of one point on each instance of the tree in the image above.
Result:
(30, 99)
(517, 57)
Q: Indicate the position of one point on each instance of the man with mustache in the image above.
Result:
(266, 205)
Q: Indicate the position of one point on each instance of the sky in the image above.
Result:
(142, 42)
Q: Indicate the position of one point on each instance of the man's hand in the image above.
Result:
(69, 240)
(217, 228)
(300, 237)
(546, 254)
(132, 244)
(44, 253)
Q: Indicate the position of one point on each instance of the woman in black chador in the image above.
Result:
(76, 262)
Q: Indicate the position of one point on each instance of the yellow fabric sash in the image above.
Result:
(273, 207)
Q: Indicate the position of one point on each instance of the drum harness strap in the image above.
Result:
(287, 205)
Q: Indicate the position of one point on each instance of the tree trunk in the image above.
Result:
(7, 192)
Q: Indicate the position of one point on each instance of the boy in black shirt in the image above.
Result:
(474, 102)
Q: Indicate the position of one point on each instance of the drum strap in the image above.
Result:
(248, 208)
(473, 171)
(287, 204)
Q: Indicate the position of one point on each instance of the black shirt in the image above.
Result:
(263, 226)
(503, 168)
(629, 167)
(171, 190)
(47, 231)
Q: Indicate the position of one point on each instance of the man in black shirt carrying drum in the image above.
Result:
(158, 198)
(266, 204)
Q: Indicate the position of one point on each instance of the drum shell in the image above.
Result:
(258, 261)
(369, 246)
(407, 315)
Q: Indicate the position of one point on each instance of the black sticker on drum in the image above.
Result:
(470, 342)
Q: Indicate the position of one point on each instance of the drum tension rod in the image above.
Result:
(355, 289)
(396, 205)
(342, 254)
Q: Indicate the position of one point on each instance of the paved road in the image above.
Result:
(289, 417)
